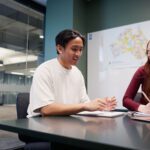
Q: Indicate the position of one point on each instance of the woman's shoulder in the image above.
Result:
(140, 70)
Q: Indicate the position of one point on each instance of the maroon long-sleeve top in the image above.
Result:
(136, 82)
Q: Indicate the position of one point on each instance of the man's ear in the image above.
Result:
(59, 48)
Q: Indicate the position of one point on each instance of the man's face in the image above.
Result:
(71, 53)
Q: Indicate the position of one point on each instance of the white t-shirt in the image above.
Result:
(53, 83)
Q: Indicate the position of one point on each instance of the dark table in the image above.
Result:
(92, 133)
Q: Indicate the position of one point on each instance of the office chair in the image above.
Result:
(22, 105)
(31, 143)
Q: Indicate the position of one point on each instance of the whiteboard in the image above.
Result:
(113, 57)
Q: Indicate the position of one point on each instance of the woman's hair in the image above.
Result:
(147, 64)
(146, 85)
(65, 36)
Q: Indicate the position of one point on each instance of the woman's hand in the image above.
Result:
(144, 108)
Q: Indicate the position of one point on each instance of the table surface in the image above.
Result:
(86, 132)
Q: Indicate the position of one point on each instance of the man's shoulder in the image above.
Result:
(45, 67)
(51, 61)
(47, 63)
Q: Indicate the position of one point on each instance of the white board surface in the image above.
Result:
(113, 57)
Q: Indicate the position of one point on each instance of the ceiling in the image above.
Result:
(20, 30)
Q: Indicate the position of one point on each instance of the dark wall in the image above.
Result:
(103, 14)
(79, 23)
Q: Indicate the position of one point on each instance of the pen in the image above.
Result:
(146, 97)
(131, 113)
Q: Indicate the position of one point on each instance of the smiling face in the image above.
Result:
(70, 54)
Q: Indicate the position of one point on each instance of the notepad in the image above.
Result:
(101, 113)
(139, 116)
(145, 119)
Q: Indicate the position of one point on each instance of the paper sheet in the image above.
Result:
(101, 113)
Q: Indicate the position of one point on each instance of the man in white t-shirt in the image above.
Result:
(58, 86)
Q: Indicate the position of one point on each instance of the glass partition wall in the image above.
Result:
(21, 48)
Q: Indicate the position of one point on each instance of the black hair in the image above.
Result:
(67, 35)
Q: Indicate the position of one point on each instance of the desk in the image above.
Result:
(92, 133)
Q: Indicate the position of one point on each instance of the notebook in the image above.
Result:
(139, 116)
(101, 113)
(146, 119)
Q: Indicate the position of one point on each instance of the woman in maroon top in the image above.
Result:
(140, 78)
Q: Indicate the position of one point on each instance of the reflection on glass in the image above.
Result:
(21, 48)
